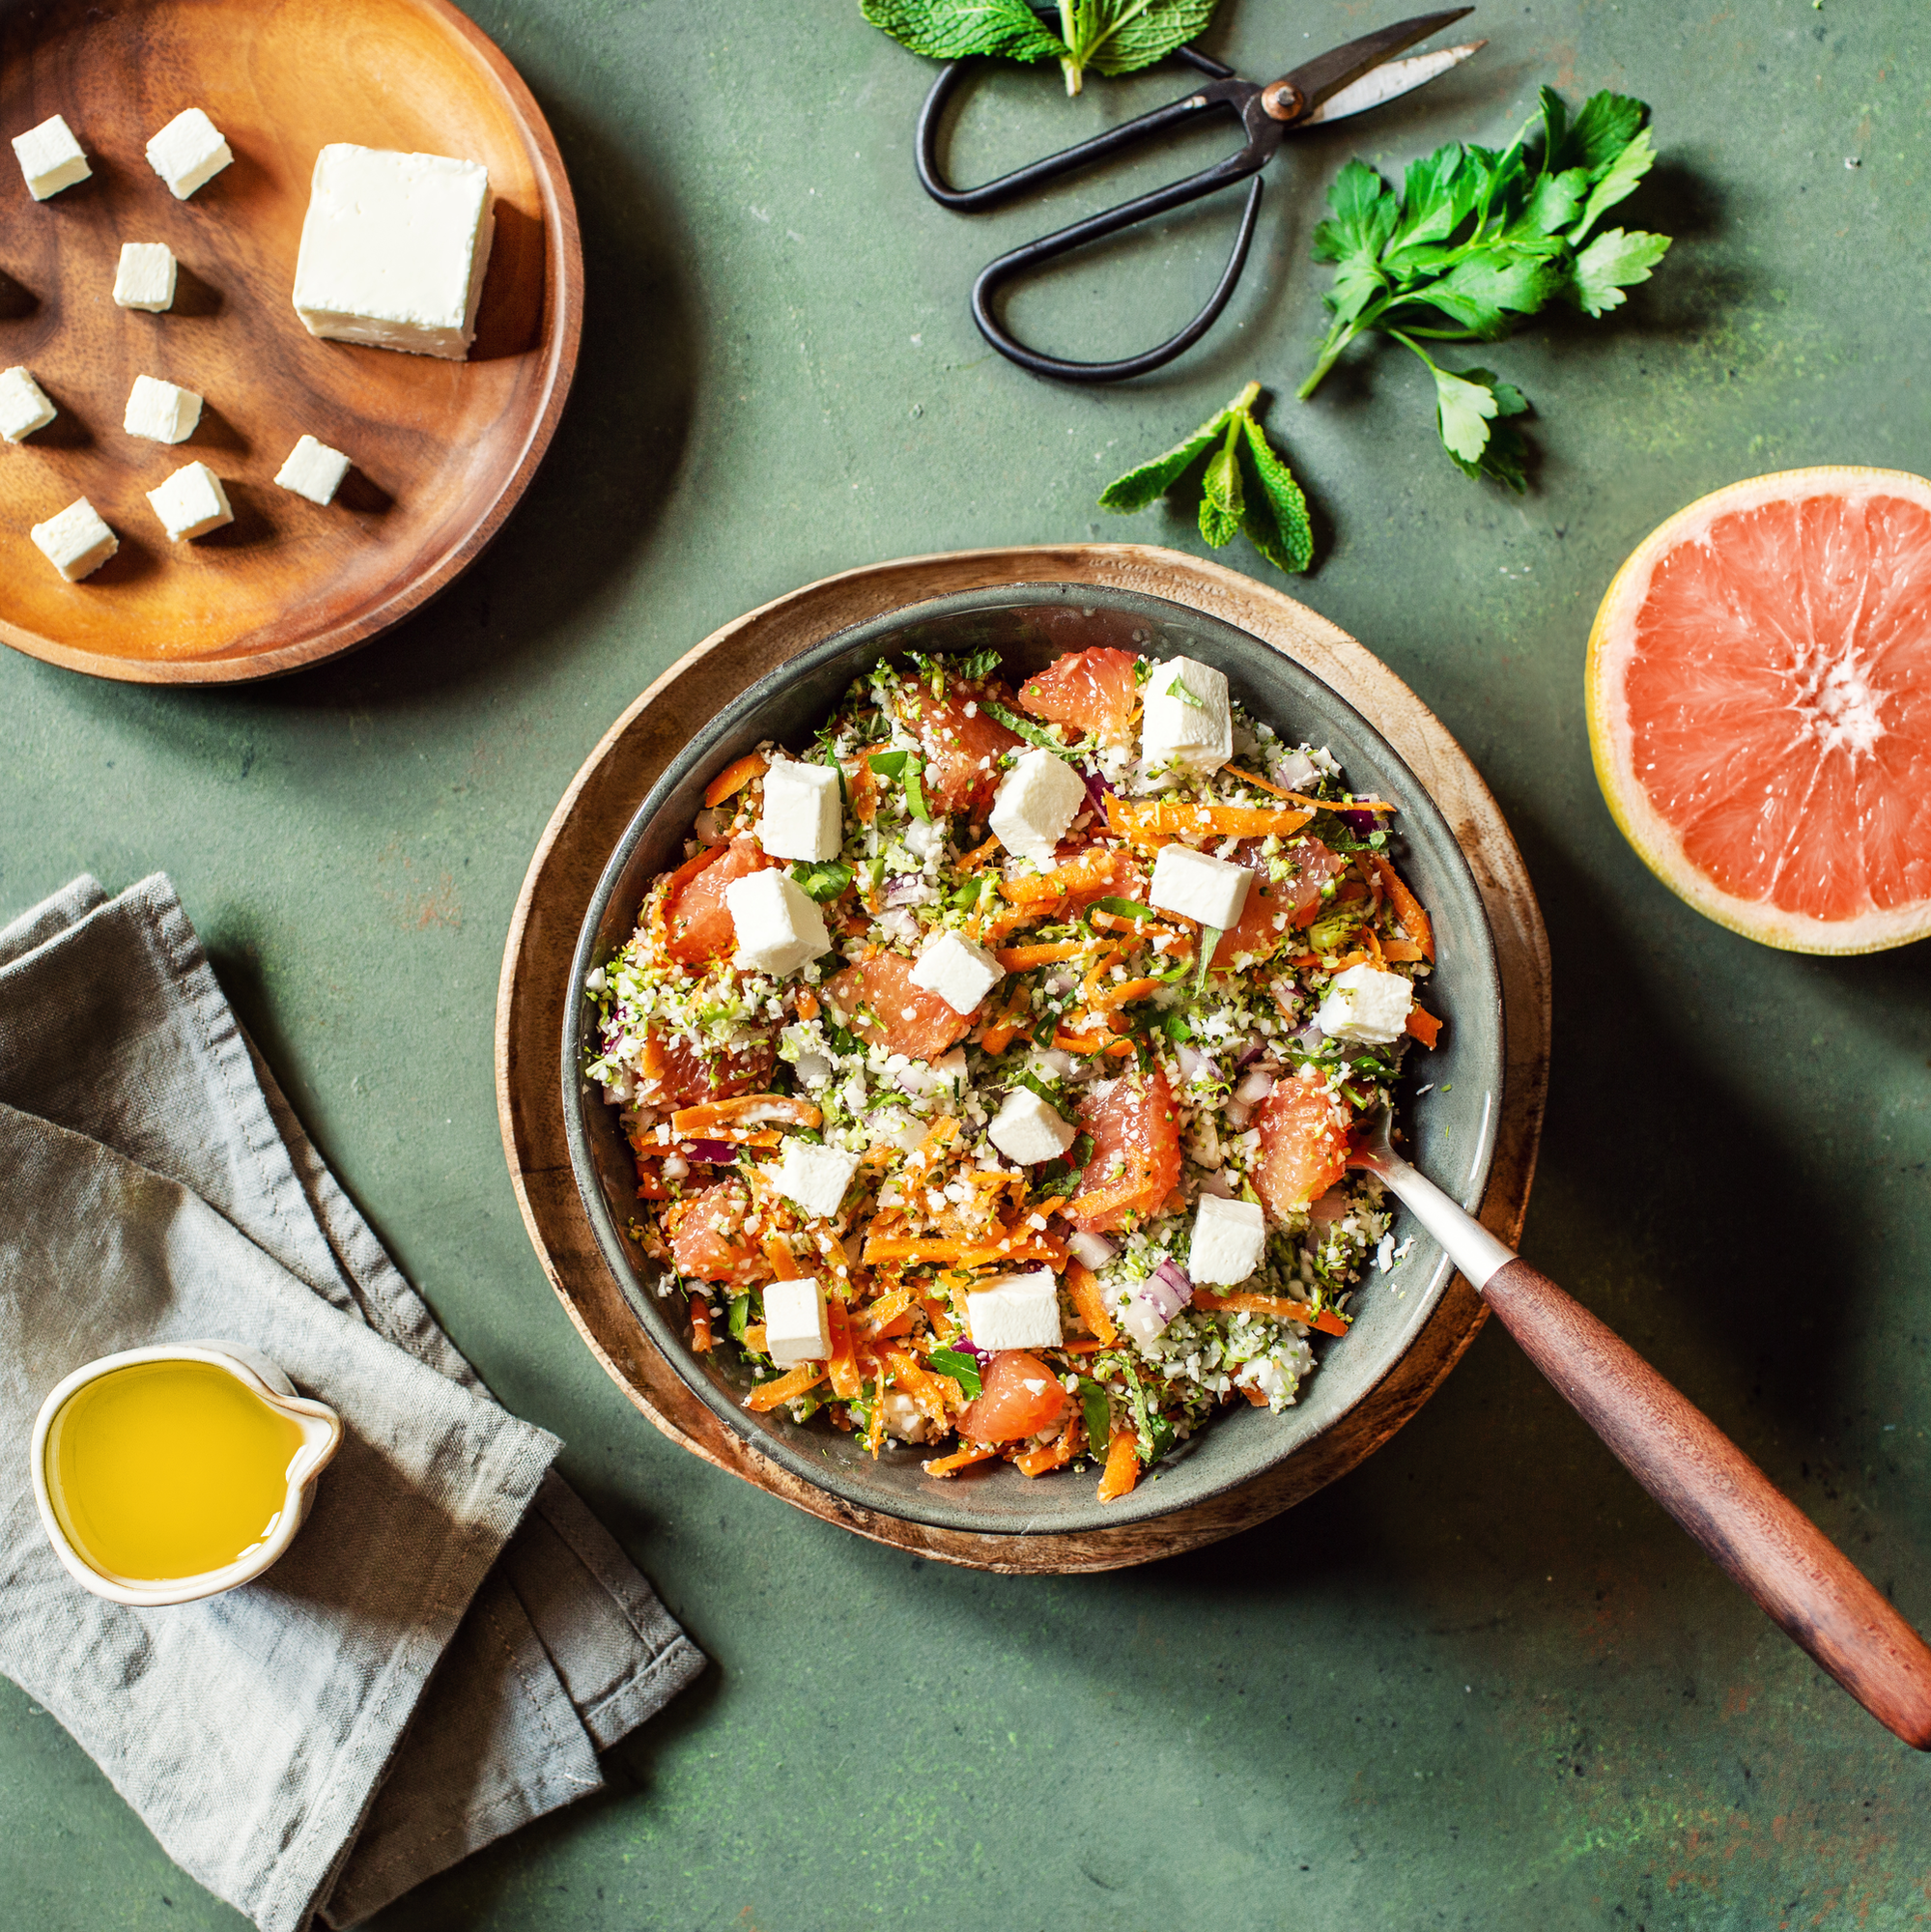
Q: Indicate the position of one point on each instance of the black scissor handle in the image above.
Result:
(971, 200)
(1007, 266)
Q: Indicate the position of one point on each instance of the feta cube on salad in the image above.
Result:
(1198, 886)
(795, 1326)
(1366, 1006)
(1228, 1240)
(779, 930)
(1028, 1131)
(1037, 799)
(1015, 1311)
(814, 1178)
(804, 812)
(1187, 718)
(960, 972)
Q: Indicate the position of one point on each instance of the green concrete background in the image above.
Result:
(1481, 1682)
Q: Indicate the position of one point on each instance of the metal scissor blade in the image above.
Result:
(1389, 82)
(1327, 74)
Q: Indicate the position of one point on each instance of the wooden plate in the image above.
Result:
(441, 450)
(613, 782)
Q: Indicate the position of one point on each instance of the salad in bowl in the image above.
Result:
(990, 1063)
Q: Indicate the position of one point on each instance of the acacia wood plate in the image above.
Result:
(441, 450)
(613, 783)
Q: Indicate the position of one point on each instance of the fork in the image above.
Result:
(1794, 1573)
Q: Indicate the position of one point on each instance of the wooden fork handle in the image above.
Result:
(1803, 1581)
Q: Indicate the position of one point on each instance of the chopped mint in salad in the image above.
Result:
(997, 1099)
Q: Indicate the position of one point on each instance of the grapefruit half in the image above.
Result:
(1759, 695)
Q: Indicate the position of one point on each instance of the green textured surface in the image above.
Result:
(1482, 1681)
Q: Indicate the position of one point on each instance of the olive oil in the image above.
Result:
(161, 1470)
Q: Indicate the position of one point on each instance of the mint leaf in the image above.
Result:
(1221, 503)
(1152, 480)
(951, 29)
(1288, 545)
(1131, 35)
(1177, 689)
(1034, 734)
(822, 881)
(980, 666)
(1210, 940)
(961, 1367)
(1611, 263)
(1098, 1415)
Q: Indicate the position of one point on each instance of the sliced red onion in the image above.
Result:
(966, 1346)
(1253, 1088)
(1092, 1251)
(1193, 1061)
(1178, 1280)
(1144, 1321)
(1311, 1037)
(1156, 1301)
(1256, 1046)
(714, 1153)
(903, 888)
(1216, 1182)
(1099, 790)
(1359, 822)
(1237, 1114)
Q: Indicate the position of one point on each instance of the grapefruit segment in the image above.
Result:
(1759, 700)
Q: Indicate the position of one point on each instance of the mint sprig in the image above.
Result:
(1109, 35)
(1246, 486)
(1474, 242)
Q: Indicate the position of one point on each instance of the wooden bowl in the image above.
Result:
(441, 450)
(1454, 1123)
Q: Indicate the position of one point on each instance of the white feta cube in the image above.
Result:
(1367, 1005)
(1037, 799)
(1027, 1130)
(1228, 1240)
(960, 972)
(188, 152)
(796, 1328)
(144, 276)
(1015, 1311)
(813, 1177)
(51, 158)
(1187, 718)
(1198, 886)
(778, 927)
(191, 502)
(804, 812)
(75, 542)
(24, 407)
(394, 249)
(313, 471)
(160, 412)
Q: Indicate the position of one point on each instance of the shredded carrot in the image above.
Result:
(1341, 803)
(1082, 1345)
(979, 854)
(939, 1136)
(747, 1137)
(1025, 1245)
(653, 1057)
(1083, 1284)
(1253, 1394)
(1010, 920)
(735, 777)
(783, 1263)
(1086, 1038)
(1138, 822)
(1055, 1454)
(650, 1181)
(746, 1110)
(1019, 958)
(898, 1248)
(960, 1459)
(842, 1365)
(1424, 1027)
(808, 1004)
(754, 1338)
(1000, 1035)
(873, 1320)
(1104, 1200)
(1408, 909)
(1276, 1305)
(862, 783)
(1259, 783)
(1125, 994)
(1123, 1466)
(1092, 867)
(793, 1382)
(700, 1326)
(1400, 949)
(921, 1387)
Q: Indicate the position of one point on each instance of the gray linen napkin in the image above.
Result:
(453, 1637)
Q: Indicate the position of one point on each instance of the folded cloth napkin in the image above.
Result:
(452, 1637)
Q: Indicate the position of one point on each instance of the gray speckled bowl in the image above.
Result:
(1454, 1123)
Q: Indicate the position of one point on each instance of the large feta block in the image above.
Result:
(1015, 1311)
(1037, 799)
(1198, 886)
(1366, 1006)
(160, 412)
(960, 972)
(144, 276)
(1187, 718)
(813, 1176)
(77, 541)
(191, 502)
(796, 1328)
(394, 249)
(51, 157)
(778, 927)
(1228, 1240)
(24, 407)
(1027, 1130)
(188, 152)
(313, 471)
(804, 812)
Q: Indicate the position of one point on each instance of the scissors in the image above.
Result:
(1331, 87)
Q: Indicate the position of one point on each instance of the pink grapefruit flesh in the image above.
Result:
(1759, 695)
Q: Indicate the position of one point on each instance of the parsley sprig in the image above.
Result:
(1475, 241)
(1246, 486)
(1108, 36)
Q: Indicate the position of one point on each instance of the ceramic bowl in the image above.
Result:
(321, 1436)
(1452, 1126)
